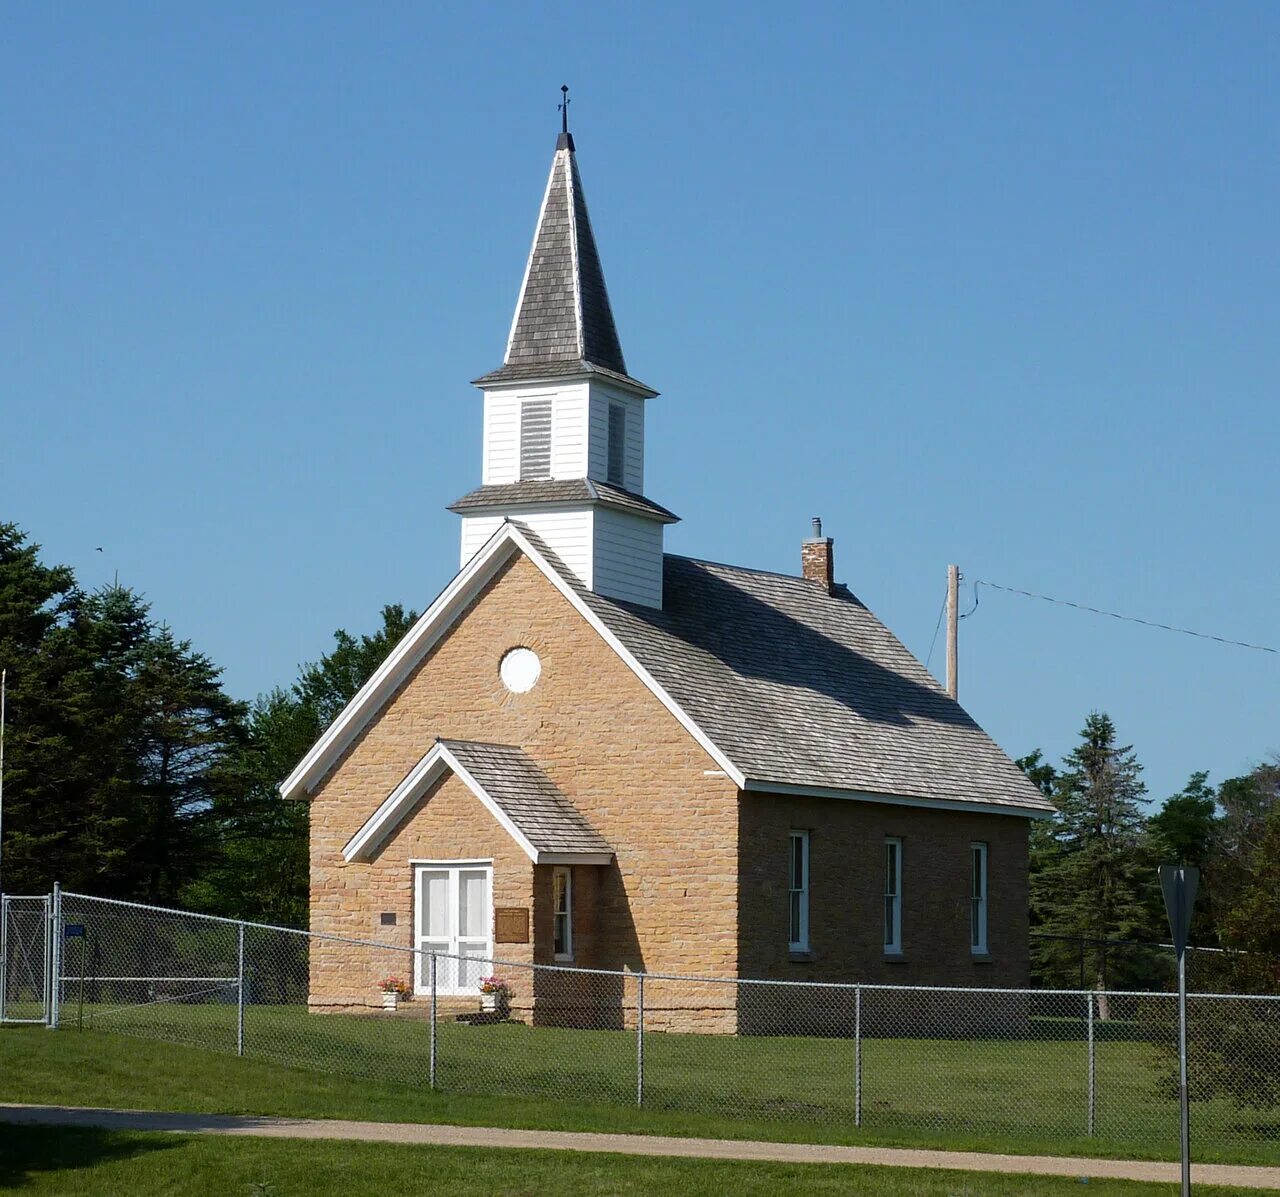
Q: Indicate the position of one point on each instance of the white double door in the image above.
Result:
(453, 915)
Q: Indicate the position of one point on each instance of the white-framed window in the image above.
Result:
(978, 899)
(615, 466)
(453, 916)
(892, 894)
(535, 439)
(562, 912)
(798, 891)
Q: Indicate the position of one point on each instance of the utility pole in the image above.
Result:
(953, 628)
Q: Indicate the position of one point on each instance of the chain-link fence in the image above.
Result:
(1060, 1068)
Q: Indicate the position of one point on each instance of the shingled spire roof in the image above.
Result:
(563, 323)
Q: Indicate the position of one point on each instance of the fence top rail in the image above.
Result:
(25, 897)
(88, 977)
(850, 986)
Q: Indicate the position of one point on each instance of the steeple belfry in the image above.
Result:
(563, 420)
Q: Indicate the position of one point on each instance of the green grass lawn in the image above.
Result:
(100, 1069)
(68, 1162)
(1009, 1095)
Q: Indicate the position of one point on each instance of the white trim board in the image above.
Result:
(759, 786)
(378, 827)
(432, 625)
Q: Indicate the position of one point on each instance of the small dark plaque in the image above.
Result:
(388, 918)
(511, 924)
(73, 930)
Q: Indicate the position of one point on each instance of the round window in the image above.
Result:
(519, 670)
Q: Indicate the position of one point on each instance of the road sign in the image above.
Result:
(73, 930)
(1179, 884)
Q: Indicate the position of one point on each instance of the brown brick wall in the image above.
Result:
(670, 901)
(846, 847)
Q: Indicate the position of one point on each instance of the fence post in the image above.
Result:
(55, 958)
(857, 1056)
(639, 1039)
(433, 1021)
(46, 960)
(1093, 1063)
(240, 990)
(4, 955)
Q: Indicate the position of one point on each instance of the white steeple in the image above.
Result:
(563, 420)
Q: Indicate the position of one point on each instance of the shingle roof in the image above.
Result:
(563, 322)
(804, 688)
(537, 492)
(529, 798)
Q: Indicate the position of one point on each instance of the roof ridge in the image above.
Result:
(480, 744)
(745, 569)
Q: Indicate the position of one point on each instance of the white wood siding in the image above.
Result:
(476, 529)
(598, 459)
(569, 434)
(501, 461)
(568, 534)
(569, 423)
(628, 557)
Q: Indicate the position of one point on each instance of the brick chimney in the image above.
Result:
(817, 561)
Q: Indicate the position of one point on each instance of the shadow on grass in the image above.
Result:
(27, 1150)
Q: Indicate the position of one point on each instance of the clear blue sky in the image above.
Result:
(991, 284)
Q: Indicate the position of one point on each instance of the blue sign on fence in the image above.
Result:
(73, 930)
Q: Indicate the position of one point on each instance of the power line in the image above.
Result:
(1148, 623)
(936, 626)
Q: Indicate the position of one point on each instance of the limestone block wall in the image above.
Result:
(846, 903)
(668, 903)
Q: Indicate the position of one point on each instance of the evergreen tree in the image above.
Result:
(1088, 885)
(173, 730)
(49, 685)
(1184, 831)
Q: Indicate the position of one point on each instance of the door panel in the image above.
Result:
(454, 915)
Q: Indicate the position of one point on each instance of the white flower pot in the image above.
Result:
(489, 1003)
(390, 1001)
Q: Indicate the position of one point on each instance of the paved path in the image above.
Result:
(439, 1135)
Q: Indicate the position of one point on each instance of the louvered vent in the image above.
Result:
(535, 439)
(617, 444)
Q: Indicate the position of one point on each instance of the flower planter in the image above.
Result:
(390, 1001)
(489, 1003)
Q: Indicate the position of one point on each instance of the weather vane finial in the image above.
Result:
(564, 108)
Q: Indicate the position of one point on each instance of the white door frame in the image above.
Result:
(453, 943)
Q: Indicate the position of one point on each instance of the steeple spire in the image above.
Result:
(563, 323)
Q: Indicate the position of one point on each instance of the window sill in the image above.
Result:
(894, 958)
(800, 957)
(562, 959)
(983, 958)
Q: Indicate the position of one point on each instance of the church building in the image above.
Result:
(592, 752)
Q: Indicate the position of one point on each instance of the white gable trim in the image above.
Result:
(573, 253)
(528, 265)
(439, 760)
(432, 625)
(758, 785)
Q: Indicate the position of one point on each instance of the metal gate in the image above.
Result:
(25, 965)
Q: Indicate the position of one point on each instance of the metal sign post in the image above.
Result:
(1178, 884)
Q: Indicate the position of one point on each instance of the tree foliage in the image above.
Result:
(130, 772)
(1087, 885)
